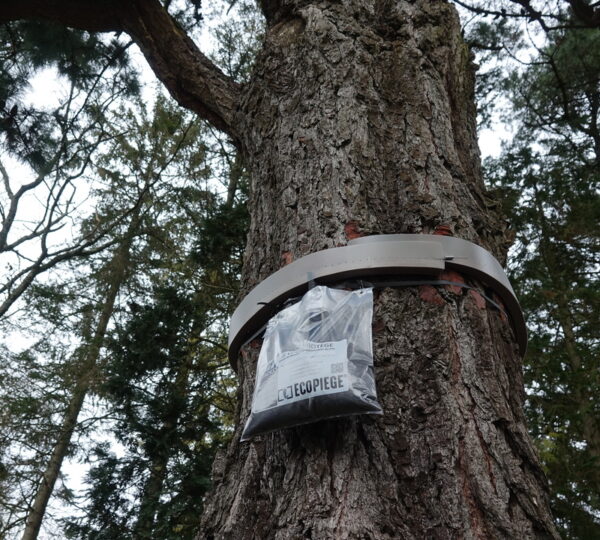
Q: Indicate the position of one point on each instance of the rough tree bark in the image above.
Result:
(359, 119)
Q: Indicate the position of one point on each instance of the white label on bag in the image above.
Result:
(317, 370)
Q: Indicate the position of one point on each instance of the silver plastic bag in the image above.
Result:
(316, 362)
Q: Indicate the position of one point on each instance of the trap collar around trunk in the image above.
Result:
(367, 258)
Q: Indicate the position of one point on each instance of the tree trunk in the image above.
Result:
(37, 510)
(161, 452)
(86, 373)
(359, 119)
(151, 497)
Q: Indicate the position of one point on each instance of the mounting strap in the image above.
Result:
(369, 257)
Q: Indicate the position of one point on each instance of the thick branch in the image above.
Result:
(191, 78)
(86, 15)
(588, 14)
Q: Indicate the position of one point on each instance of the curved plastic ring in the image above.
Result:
(370, 256)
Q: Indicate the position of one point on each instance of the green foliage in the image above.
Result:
(150, 189)
(160, 399)
(160, 379)
(92, 66)
(554, 270)
(559, 96)
(36, 385)
(490, 41)
(549, 177)
(221, 244)
(238, 40)
(166, 383)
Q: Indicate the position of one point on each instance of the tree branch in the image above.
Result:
(587, 15)
(190, 77)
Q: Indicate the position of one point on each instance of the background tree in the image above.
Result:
(162, 147)
(55, 147)
(162, 390)
(550, 16)
(549, 175)
(167, 385)
(157, 167)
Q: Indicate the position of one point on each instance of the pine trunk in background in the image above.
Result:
(161, 450)
(87, 371)
(359, 119)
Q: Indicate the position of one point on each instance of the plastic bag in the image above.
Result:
(316, 362)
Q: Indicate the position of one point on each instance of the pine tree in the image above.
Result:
(158, 145)
(150, 188)
(550, 176)
(160, 385)
(166, 381)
